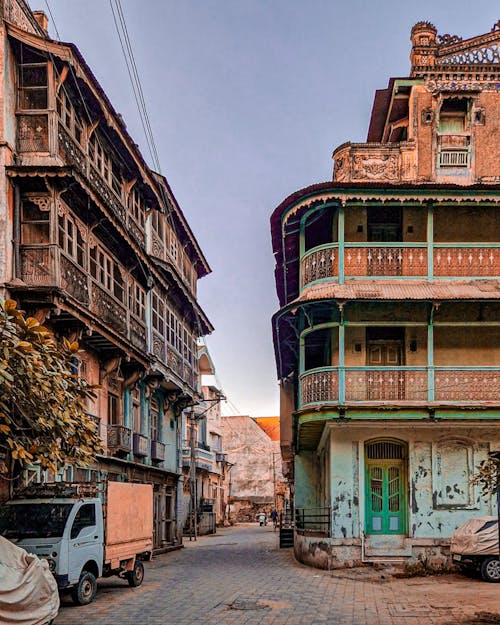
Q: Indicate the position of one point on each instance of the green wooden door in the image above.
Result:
(385, 501)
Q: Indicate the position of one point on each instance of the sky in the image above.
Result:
(247, 100)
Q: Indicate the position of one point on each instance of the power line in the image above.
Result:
(135, 81)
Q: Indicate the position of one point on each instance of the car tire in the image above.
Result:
(490, 569)
(84, 592)
(135, 577)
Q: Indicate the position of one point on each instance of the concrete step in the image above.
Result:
(286, 537)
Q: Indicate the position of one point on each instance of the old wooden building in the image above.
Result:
(388, 337)
(94, 245)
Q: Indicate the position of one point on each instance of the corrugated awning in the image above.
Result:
(392, 290)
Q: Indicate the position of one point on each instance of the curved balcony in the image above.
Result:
(404, 260)
(407, 385)
(374, 162)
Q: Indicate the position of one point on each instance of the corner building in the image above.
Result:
(388, 337)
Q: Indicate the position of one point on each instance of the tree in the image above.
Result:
(42, 399)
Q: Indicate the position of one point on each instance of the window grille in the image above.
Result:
(384, 450)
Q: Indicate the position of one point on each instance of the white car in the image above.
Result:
(28, 590)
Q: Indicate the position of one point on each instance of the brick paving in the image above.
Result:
(240, 577)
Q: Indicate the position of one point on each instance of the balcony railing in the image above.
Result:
(315, 521)
(373, 162)
(48, 266)
(409, 261)
(140, 444)
(453, 158)
(410, 385)
(157, 450)
(119, 439)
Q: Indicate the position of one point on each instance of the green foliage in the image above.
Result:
(42, 400)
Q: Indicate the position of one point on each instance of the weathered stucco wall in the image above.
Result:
(440, 496)
(251, 450)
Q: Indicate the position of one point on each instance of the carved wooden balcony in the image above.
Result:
(157, 451)
(140, 444)
(119, 439)
(48, 266)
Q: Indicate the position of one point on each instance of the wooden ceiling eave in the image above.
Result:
(66, 54)
(395, 194)
(62, 300)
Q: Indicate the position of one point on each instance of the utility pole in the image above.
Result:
(274, 482)
(194, 418)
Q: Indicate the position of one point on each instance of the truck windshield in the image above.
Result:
(40, 520)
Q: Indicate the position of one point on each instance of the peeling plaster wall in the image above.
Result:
(307, 480)
(440, 464)
(344, 487)
(441, 460)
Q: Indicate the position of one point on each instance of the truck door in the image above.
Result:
(85, 540)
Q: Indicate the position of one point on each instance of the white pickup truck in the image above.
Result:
(84, 537)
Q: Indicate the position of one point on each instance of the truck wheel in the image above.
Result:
(84, 592)
(490, 569)
(136, 576)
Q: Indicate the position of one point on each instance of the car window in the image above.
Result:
(487, 525)
(85, 517)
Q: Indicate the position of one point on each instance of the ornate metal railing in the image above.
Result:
(419, 385)
(386, 384)
(466, 384)
(405, 260)
(319, 386)
(384, 260)
(319, 263)
(466, 260)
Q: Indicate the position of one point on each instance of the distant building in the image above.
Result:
(95, 246)
(388, 337)
(204, 459)
(256, 479)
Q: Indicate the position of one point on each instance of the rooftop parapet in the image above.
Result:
(433, 52)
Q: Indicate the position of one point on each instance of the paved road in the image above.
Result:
(240, 577)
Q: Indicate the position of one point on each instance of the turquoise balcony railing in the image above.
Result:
(408, 385)
(417, 261)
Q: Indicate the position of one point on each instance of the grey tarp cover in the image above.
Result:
(467, 540)
(28, 590)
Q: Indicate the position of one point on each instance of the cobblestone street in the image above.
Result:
(240, 577)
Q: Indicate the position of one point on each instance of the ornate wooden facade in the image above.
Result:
(96, 246)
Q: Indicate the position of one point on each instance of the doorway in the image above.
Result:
(385, 347)
(384, 225)
(386, 502)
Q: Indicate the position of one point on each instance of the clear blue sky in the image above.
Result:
(247, 100)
